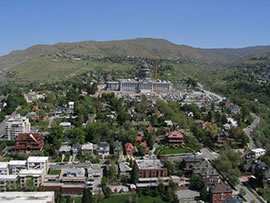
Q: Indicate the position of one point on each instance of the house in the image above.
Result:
(220, 192)
(221, 137)
(118, 148)
(65, 140)
(75, 148)
(129, 149)
(211, 181)
(256, 153)
(204, 169)
(103, 149)
(124, 169)
(151, 172)
(87, 148)
(146, 147)
(64, 149)
(33, 96)
(66, 125)
(189, 163)
(175, 138)
(28, 142)
(168, 123)
(71, 105)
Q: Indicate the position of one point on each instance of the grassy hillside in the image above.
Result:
(38, 62)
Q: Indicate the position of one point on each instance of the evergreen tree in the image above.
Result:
(87, 196)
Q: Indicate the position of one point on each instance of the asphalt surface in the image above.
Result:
(250, 129)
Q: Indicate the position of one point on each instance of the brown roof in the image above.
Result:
(221, 188)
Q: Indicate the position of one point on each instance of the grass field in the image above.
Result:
(54, 172)
(131, 198)
(174, 150)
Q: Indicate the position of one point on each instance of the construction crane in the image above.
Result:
(156, 74)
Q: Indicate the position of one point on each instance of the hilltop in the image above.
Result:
(42, 62)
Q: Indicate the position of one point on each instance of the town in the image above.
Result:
(140, 138)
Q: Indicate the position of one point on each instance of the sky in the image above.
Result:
(197, 23)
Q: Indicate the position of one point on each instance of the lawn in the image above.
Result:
(131, 197)
(54, 172)
(174, 150)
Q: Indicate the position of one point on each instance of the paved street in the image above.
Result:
(248, 196)
(250, 129)
(206, 153)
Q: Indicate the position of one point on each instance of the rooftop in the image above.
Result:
(32, 197)
(31, 172)
(37, 159)
(8, 177)
(124, 166)
(149, 164)
(17, 162)
(88, 146)
(258, 150)
(3, 164)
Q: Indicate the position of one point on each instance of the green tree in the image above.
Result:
(134, 174)
(87, 196)
(196, 182)
(30, 185)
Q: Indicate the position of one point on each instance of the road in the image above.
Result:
(206, 153)
(3, 123)
(250, 129)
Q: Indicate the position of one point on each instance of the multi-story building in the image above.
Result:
(28, 142)
(143, 83)
(38, 162)
(15, 166)
(33, 96)
(36, 175)
(220, 192)
(129, 148)
(151, 171)
(16, 125)
(87, 149)
(7, 181)
(4, 168)
(33, 197)
(175, 138)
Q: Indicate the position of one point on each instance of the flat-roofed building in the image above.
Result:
(38, 162)
(36, 175)
(33, 197)
(87, 148)
(7, 181)
(124, 169)
(16, 125)
(151, 171)
(4, 168)
(256, 153)
(16, 165)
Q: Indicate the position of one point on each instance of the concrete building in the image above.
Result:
(4, 168)
(220, 192)
(256, 153)
(124, 169)
(16, 166)
(38, 162)
(151, 172)
(142, 84)
(36, 175)
(33, 197)
(6, 181)
(16, 125)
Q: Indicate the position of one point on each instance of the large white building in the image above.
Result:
(33, 197)
(38, 162)
(16, 125)
(142, 84)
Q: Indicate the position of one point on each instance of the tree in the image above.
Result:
(134, 174)
(196, 182)
(141, 149)
(30, 185)
(87, 196)
(204, 194)
(112, 172)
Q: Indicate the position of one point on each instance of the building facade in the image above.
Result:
(144, 83)
(176, 138)
(28, 142)
(16, 125)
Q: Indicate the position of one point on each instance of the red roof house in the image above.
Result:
(175, 138)
(129, 148)
(28, 142)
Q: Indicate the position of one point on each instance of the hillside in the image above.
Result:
(51, 62)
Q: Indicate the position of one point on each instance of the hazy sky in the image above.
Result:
(198, 23)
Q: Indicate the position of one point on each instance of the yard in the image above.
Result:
(54, 172)
(131, 198)
(167, 150)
